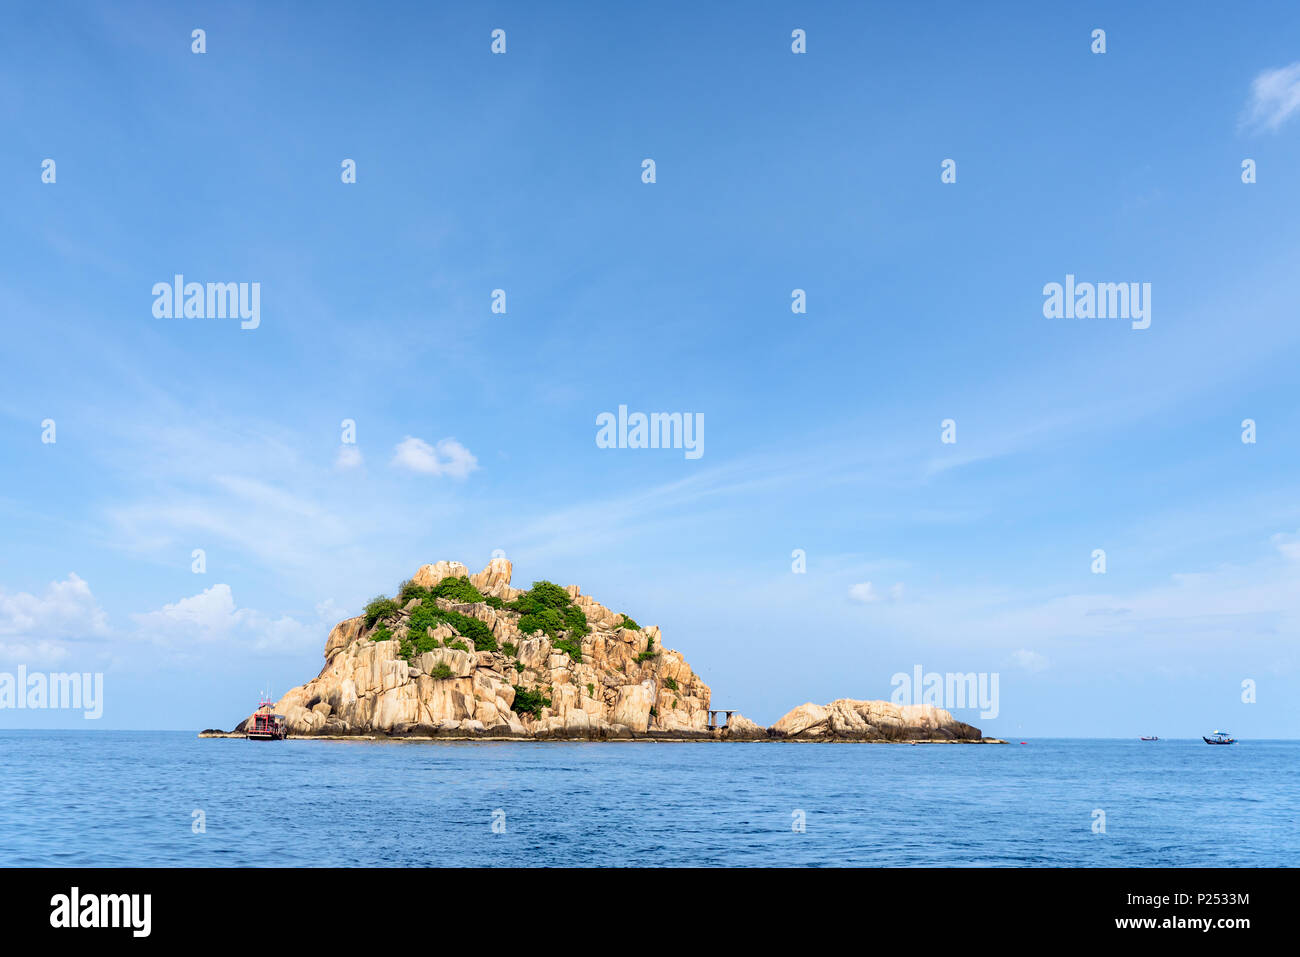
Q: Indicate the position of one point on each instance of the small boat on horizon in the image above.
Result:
(1152, 738)
(1219, 737)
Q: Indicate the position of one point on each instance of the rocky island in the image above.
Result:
(456, 655)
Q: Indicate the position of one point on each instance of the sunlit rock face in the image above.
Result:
(846, 718)
(623, 683)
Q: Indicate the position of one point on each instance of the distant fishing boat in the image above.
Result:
(1219, 737)
(1152, 738)
(264, 725)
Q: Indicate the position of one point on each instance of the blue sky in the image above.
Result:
(775, 171)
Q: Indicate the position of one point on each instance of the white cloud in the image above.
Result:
(212, 615)
(209, 614)
(1275, 96)
(864, 592)
(35, 629)
(349, 457)
(867, 593)
(66, 610)
(449, 457)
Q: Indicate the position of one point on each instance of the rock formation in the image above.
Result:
(740, 728)
(381, 675)
(845, 719)
(461, 655)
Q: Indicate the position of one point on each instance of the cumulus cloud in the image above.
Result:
(67, 609)
(212, 615)
(1274, 97)
(35, 629)
(209, 614)
(448, 457)
(44, 629)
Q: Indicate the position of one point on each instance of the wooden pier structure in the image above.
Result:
(713, 719)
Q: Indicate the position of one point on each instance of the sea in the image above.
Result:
(123, 798)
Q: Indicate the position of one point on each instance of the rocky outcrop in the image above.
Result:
(740, 728)
(495, 580)
(847, 719)
(611, 682)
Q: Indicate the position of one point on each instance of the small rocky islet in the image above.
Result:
(460, 656)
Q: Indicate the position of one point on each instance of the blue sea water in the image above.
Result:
(129, 798)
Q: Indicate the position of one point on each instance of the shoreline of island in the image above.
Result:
(609, 739)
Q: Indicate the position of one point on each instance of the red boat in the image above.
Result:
(264, 725)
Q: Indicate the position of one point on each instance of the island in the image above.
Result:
(461, 656)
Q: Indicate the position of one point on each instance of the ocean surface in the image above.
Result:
(130, 799)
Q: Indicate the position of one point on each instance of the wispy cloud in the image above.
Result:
(1288, 545)
(1274, 97)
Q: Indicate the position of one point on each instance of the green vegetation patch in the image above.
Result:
(381, 606)
(530, 702)
(547, 608)
(428, 615)
(649, 651)
(459, 590)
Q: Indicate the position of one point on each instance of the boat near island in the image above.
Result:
(264, 724)
(1219, 737)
